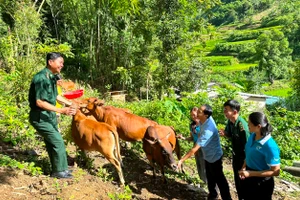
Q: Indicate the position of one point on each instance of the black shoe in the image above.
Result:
(62, 174)
(69, 171)
(212, 197)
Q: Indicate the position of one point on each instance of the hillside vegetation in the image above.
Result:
(149, 49)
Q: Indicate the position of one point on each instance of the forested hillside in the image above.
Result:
(149, 48)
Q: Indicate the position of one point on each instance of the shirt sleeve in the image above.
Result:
(41, 89)
(204, 138)
(273, 156)
(227, 130)
(244, 134)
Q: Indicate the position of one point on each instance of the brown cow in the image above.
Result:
(130, 127)
(67, 85)
(173, 140)
(92, 135)
(158, 149)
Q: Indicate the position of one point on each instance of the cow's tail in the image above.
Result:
(118, 150)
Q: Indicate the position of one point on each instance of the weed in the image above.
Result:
(104, 175)
(30, 167)
(126, 194)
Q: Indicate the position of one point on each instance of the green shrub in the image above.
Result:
(286, 132)
(243, 35)
(126, 194)
(234, 47)
(279, 20)
(6, 161)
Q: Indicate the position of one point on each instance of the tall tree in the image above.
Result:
(21, 50)
(274, 54)
(100, 33)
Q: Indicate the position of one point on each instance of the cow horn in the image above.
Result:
(83, 105)
(168, 135)
(150, 141)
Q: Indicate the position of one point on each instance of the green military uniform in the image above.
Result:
(239, 133)
(43, 87)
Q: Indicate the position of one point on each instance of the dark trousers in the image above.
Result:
(237, 164)
(215, 176)
(258, 188)
(54, 142)
(200, 162)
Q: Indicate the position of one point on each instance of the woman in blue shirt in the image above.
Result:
(195, 134)
(209, 141)
(262, 159)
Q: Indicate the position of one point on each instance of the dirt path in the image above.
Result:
(102, 181)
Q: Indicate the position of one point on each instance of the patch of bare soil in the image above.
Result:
(101, 180)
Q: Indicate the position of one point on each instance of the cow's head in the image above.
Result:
(93, 102)
(165, 149)
(78, 103)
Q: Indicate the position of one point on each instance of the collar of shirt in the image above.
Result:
(50, 75)
(261, 141)
(236, 121)
(206, 121)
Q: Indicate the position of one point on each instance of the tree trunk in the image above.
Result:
(271, 79)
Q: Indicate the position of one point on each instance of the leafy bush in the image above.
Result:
(29, 167)
(286, 132)
(232, 11)
(236, 47)
(14, 125)
(280, 20)
(126, 194)
(243, 35)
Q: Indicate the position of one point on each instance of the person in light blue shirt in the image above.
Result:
(262, 159)
(194, 135)
(209, 142)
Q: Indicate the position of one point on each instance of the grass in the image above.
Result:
(232, 68)
(209, 45)
(279, 88)
(219, 58)
(241, 42)
(279, 27)
(284, 92)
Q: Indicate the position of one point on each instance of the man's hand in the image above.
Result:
(59, 82)
(180, 136)
(179, 165)
(69, 111)
(244, 174)
(221, 132)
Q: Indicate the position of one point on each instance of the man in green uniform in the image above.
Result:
(237, 130)
(42, 99)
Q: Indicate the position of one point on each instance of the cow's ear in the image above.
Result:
(173, 128)
(99, 102)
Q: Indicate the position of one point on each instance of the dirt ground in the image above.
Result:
(101, 181)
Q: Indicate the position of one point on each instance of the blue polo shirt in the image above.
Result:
(209, 141)
(262, 154)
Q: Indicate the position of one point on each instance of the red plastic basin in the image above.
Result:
(73, 94)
